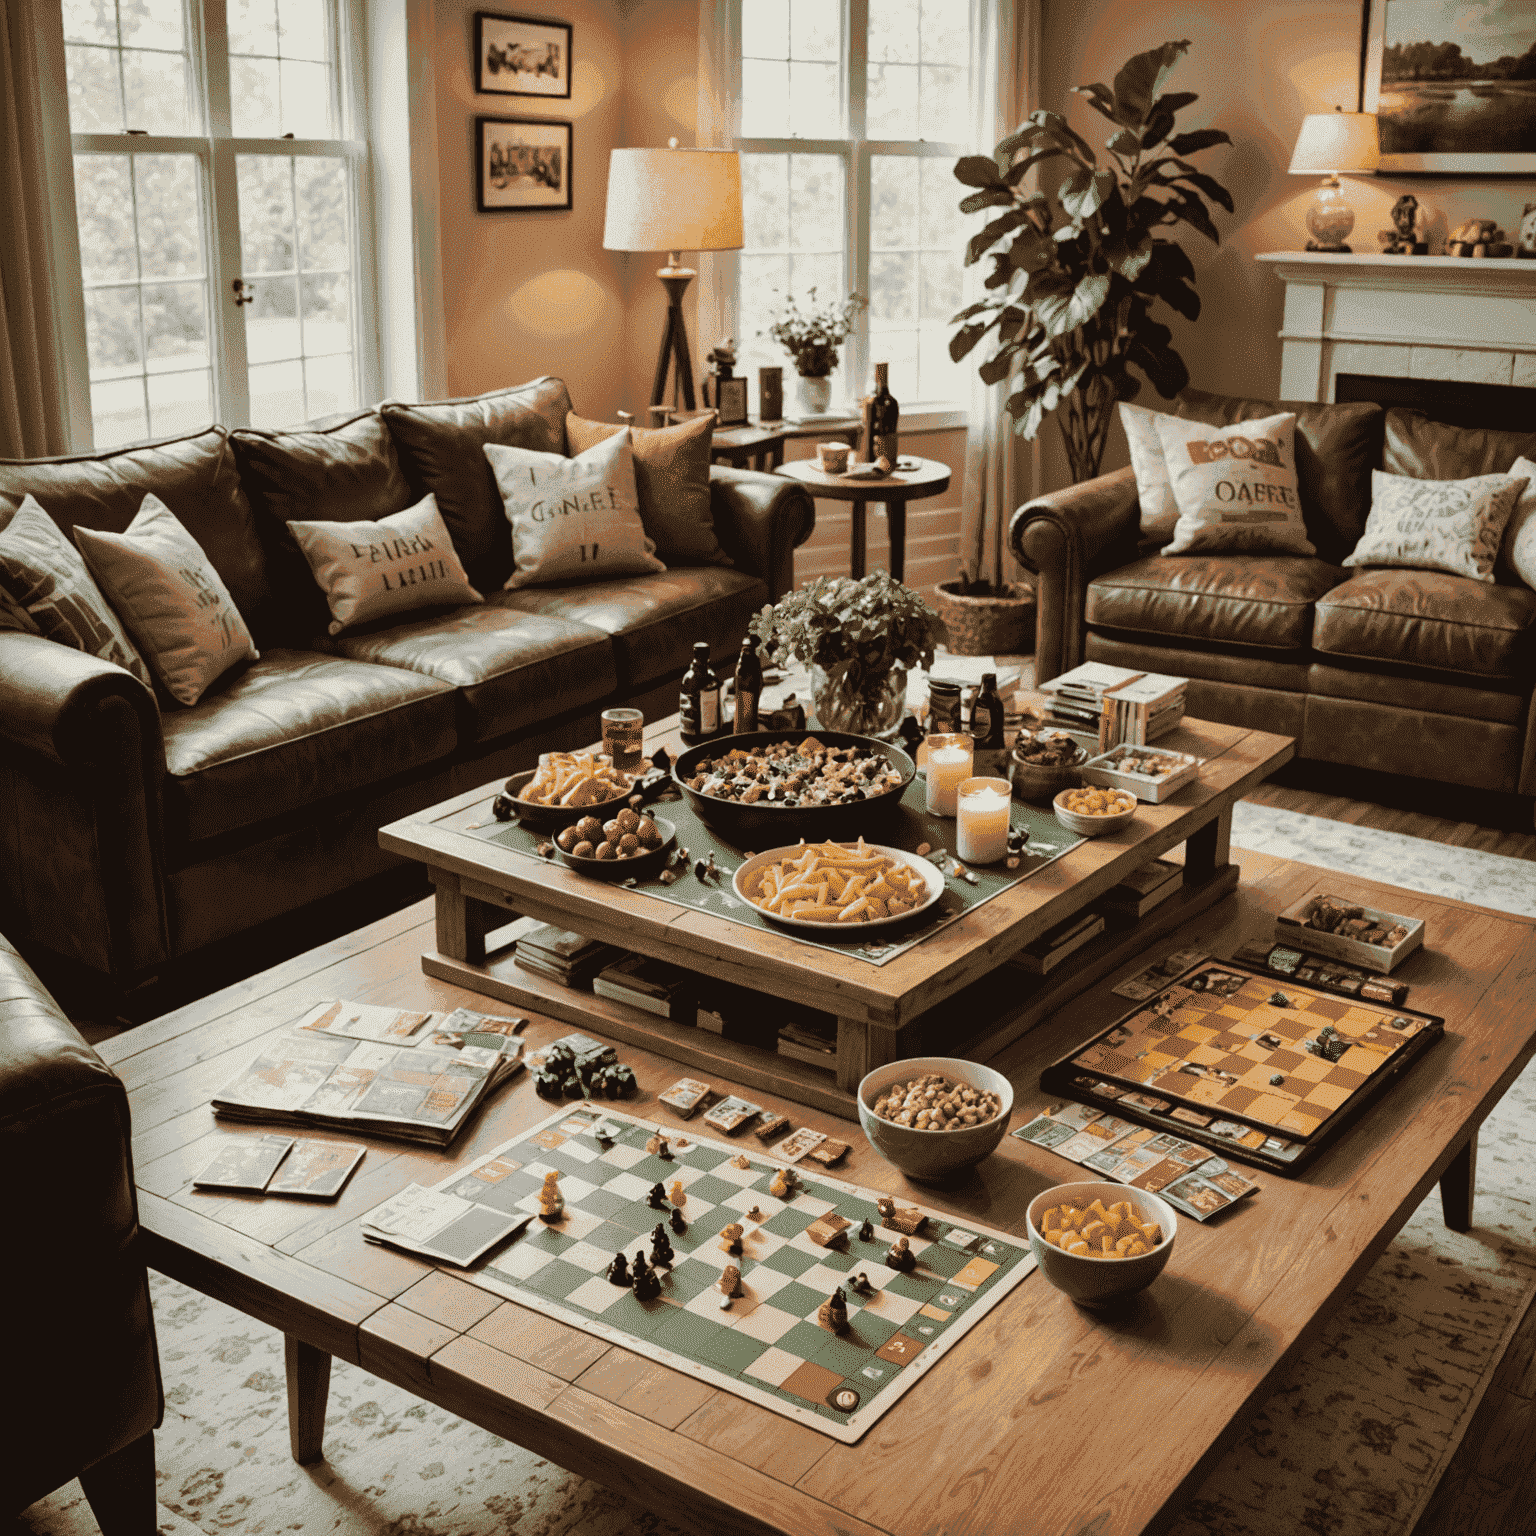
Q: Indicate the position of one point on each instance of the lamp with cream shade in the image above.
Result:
(673, 200)
(1330, 142)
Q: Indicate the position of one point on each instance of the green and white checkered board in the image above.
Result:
(768, 1348)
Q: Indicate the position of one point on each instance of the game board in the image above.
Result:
(1221, 1057)
(768, 1348)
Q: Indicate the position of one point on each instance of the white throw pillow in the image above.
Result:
(1159, 511)
(172, 600)
(1235, 486)
(573, 519)
(1519, 550)
(1437, 525)
(369, 570)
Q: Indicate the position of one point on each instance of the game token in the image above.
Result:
(684, 1097)
(657, 1199)
(832, 1314)
(729, 1283)
(772, 1128)
(730, 1238)
(657, 1147)
(730, 1114)
(901, 1258)
(676, 1194)
(860, 1283)
(647, 1286)
(866, 1231)
(827, 1152)
(756, 1215)
(741, 1161)
(827, 1230)
(844, 1399)
(661, 1247)
(551, 1201)
(676, 1222)
(782, 1185)
(618, 1271)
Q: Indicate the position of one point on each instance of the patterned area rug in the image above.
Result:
(1352, 1443)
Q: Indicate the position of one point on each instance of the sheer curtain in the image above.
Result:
(1001, 470)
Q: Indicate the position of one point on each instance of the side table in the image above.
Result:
(755, 444)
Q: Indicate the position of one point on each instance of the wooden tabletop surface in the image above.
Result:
(1044, 1418)
(928, 479)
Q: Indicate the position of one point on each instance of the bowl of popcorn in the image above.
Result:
(933, 1115)
(1093, 811)
(1100, 1243)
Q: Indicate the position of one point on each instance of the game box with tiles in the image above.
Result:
(1265, 1072)
(768, 1345)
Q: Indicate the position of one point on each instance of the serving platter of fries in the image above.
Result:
(565, 786)
(838, 886)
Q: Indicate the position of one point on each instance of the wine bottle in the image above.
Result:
(987, 715)
(884, 415)
(698, 704)
(749, 686)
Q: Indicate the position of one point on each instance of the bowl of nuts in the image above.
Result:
(1043, 764)
(628, 845)
(1091, 812)
(934, 1115)
(1100, 1243)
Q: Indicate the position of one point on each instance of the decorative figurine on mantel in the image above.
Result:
(1478, 237)
(1409, 235)
(1527, 242)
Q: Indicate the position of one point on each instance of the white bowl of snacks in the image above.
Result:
(934, 1115)
(1091, 811)
(1100, 1243)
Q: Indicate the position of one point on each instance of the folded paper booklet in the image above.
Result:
(279, 1165)
(440, 1225)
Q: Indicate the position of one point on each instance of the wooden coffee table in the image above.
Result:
(943, 996)
(1023, 1426)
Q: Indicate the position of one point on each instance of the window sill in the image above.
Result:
(933, 418)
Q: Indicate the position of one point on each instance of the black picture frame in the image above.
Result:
(522, 56)
(731, 407)
(540, 147)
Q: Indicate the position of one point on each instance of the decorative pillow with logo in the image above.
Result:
(54, 594)
(1519, 551)
(369, 570)
(573, 519)
(172, 600)
(1159, 511)
(1235, 487)
(1437, 525)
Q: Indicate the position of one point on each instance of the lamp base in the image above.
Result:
(674, 338)
(1330, 218)
(1315, 245)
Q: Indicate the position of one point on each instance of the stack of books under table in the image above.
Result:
(572, 959)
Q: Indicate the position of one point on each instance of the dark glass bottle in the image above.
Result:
(987, 715)
(698, 702)
(885, 413)
(749, 686)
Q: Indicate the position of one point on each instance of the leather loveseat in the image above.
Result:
(134, 831)
(1410, 672)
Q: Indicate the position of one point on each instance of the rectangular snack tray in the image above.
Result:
(1291, 928)
(1102, 770)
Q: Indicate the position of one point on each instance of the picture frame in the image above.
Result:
(731, 408)
(1439, 76)
(522, 165)
(522, 56)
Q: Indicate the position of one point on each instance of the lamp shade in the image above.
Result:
(1336, 141)
(673, 200)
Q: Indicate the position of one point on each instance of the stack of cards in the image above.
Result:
(280, 1165)
(685, 1096)
(729, 1115)
(440, 1226)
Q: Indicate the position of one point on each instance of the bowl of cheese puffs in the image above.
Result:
(1100, 1242)
(565, 787)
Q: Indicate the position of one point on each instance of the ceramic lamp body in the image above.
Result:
(1330, 218)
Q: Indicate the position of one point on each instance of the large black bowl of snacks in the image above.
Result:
(785, 806)
(651, 836)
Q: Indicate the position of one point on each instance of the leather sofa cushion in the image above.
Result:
(441, 449)
(1432, 450)
(1429, 619)
(293, 729)
(1435, 694)
(1337, 447)
(511, 669)
(1263, 601)
(654, 620)
(195, 476)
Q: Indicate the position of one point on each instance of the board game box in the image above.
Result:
(1265, 1072)
(768, 1347)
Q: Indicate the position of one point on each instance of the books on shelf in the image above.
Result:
(1055, 944)
(569, 958)
(1115, 704)
(653, 985)
(811, 1038)
(1141, 890)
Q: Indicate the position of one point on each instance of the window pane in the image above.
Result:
(765, 201)
(942, 105)
(893, 29)
(321, 188)
(179, 402)
(175, 326)
(815, 30)
(90, 21)
(942, 226)
(816, 203)
(252, 26)
(271, 325)
(328, 386)
(117, 411)
(95, 90)
(266, 214)
(898, 347)
(151, 24)
(112, 338)
(945, 35)
(892, 288)
(940, 284)
(255, 98)
(306, 99)
(155, 91)
(893, 201)
(764, 99)
(304, 28)
(277, 394)
(327, 303)
(104, 208)
(280, 74)
(170, 221)
(127, 66)
(765, 29)
(815, 100)
(890, 108)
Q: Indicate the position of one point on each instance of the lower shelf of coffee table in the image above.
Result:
(1007, 1002)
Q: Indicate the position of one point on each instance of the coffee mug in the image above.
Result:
(834, 457)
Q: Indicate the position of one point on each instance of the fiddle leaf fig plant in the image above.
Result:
(1077, 271)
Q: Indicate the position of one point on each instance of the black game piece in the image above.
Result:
(548, 1085)
(1276, 1080)
(502, 808)
(618, 1271)
(661, 1247)
(660, 762)
(657, 1199)
(1279, 1000)
(677, 1223)
(647, 1286)
(843, 1398)
(860, 1284)
(866, 1231)
(901, 1258)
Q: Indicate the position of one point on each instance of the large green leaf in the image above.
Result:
(1185, 205)
(1181, 297)
(1124, 142)
(1161, 364)
(973, 309)
(1061, 312)
(998, 196)
(1020, 168)
(1172, 101)
(1212, 188)
(966, 338)
(1100, 97)
(977, 245)
(1159, 126)
(1064, 134)
(977, 171)
(1083, 194)
(1141, 81)
(1130, 261)
(1199, 138)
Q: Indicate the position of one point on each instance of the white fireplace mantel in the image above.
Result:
(1417, 317)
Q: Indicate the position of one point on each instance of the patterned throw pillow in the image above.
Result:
(1235, 486)
(573, 519)
(367, 570)
(171, 598)
(1437, 525)
(1159, 511)
(43, 575)
(1519, 551)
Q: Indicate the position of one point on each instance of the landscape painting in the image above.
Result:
(522, 164)
(1453, 84)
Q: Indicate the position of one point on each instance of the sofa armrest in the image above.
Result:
(1066, 538)
(81, 764)
(760, 521)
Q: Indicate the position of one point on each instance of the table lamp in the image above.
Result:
(673, 200)
(1330, 142)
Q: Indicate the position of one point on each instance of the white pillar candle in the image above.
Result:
(949, 765)
(981, 823)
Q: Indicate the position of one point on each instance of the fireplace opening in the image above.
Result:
(1502, 407)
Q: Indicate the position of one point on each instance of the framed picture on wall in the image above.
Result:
(522, 164)
(521, 56)
(1453, 85)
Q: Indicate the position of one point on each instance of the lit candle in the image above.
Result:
(949, 765)
(981, 825)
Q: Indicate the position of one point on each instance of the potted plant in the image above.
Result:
(1076, 271)
(859, 638)
(812, 337)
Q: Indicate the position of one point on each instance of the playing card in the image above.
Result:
(1154, 978)
(770, 1127)
(827, 1152)
(1196, 1196)
(684, 1096)
(244, 1163)
(730, 1114)
(317, 1170)
(795, 1146)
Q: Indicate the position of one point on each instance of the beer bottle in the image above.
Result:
(885, 413)
(987, 715)
(699, 699)
(749, 686)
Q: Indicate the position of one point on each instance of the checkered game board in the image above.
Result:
(768, 1347)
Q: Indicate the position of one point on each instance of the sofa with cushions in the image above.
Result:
(1408, 668)
(136, 828)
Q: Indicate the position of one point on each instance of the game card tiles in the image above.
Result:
(1058, 1124)
(730, 1114)
(365, 1021)
(796, 1145)
(440, 1225)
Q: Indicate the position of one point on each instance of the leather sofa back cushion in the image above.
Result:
(195, 476)
(1337, 447)
(442, 450)
(1431, 450)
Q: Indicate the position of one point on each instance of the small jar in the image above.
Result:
(944, 715)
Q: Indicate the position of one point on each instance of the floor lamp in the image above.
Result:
(673, 200)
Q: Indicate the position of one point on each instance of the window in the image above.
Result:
(218, 200)
(852, 117)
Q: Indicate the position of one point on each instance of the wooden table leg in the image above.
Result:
(1458, 1185)
(856, 539)
(309, 1385)
(1209, 849)
(462, 922)
(896, 526)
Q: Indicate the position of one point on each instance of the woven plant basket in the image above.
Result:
(990, 625)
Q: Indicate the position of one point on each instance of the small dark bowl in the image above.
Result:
(644, 866)
(551, 818)
(771, 826)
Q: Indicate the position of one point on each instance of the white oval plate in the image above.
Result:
(932, 876)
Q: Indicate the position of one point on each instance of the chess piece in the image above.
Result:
(866, 1231)
(676, 1194)
(729, 1283)
(782, 1185)
(741, 1160)
(618, 1271)
(860, 1283)
(901, 1258)
(647, 1286)
(661, 1247)
(678, 1225)
(551, 1201)
(755, 1215)
(657, 1147)
(886, 1208)
(832, 1314)
(657, 1199)
(730, 1238)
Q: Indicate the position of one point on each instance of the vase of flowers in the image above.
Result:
(812, 337)
(860, 638)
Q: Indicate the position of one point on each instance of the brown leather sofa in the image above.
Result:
(1408, 672)
(134, 831)
(83, 1393)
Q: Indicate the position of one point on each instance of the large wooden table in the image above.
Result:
(1043, 1419)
